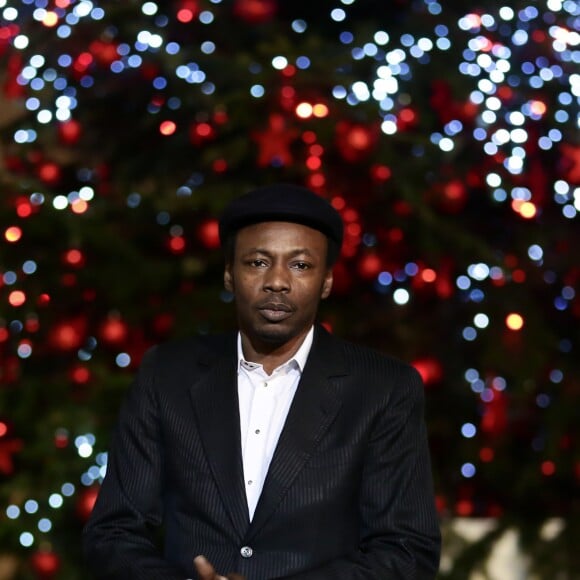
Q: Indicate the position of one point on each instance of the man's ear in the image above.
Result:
(228, 278)
(327, 285)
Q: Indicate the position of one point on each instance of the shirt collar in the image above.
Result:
(299, 357)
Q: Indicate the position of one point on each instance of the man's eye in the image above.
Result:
(258, 263)
(301, 266)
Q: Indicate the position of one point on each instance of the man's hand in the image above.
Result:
(206, 571)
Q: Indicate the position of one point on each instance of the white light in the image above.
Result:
(44, 116)
(389, 127)
(20, 41)
(10, 14)
(338, 14)
(85, 450)
(519, 136)
(279, 62)
(516, 118)
(493, 180)
(506, 13)
(149, 8)
(493, 103)
(86, 193)
(401, 296)
(396, 56)
(478, 271)
(501, 136)
(381, 37)
(60, 202)
(83, 9)
(26, 539)
(481, 320)
(384, 87)
(446, 144)
(361, 91)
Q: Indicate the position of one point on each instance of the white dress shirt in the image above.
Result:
(264, 404)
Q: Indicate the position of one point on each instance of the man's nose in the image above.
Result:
(277, 279)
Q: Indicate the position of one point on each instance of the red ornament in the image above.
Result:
(80, 374)
(45, 563)
(208, 234)
(49, 173)
(341, 279)
(274, 142)
(369, 266)
(199, 133)
(255, 11)
(163, 323)
(12, 89)
(86, 502)
(105, 52)
(453, 196)
(355, 141)
(187, 10)
(69, 131)
(8, 447)
(430, 369)
(68, 335)
(113, 330)
(570, 162)
(494, 419)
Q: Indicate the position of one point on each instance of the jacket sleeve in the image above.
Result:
(399, 533)
(119, 538)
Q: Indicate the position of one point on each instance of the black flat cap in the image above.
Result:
(285, 203)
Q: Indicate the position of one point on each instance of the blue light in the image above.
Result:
(385, 279)
(468, 430)
(469, 333)
(159, 83)
(346, 37)
(468, 470)
(303, 62)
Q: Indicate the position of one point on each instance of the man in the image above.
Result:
(279, 451)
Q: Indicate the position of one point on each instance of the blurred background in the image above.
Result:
(446, 135)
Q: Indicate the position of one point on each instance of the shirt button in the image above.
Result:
(265, 384)
(257, 431)
(246, 552)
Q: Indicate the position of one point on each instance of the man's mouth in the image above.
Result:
(275, 311)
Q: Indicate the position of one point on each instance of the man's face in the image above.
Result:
(278, 275)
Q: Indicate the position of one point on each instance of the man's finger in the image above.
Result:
(205, 570)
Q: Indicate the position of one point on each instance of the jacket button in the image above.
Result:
(246, 552)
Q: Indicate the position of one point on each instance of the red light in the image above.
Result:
(464, 507)
(177, 244)
(486, 454)
(313, 163)
(167, 128)
(381, 172)
(220, 165)
(338, 203)
(204, 130)
(74, 257)
(428, 275)
(548, 468)
(317, 180)
(16, 298)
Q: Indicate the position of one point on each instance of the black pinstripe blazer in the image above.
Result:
(348, 494)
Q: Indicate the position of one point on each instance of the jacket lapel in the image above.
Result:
(313, 410)
(216, 407)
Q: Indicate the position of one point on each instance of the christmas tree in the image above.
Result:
(445, 136)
